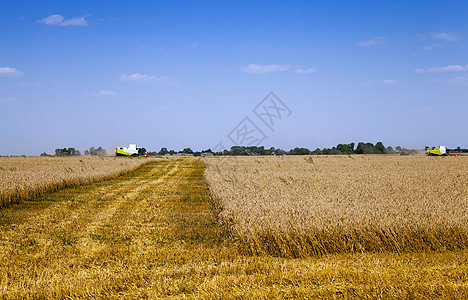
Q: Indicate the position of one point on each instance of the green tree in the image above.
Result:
(163, 151)
(317, 151)
(365, 148)
(299, 151)
(187, 150)
(345, 148)
(238, 150)
(379, 148)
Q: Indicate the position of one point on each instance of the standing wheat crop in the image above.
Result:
(303, 205)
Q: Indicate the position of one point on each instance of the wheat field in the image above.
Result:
(314, 205)
(25, 177)
(155, 233)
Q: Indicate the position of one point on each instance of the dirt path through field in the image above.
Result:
(153, 234)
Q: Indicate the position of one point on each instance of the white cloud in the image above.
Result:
(262, 69)
(58, 20)
(10, 72)
(194, 45)
(449, 37)
(305, 71)
(105, 93)
(449, 68)
(419, 71)
(389, 81)
(369, 43)
(12, 99)
(137, 77)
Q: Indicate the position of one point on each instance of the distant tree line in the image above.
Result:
(73, 152)
(340, 149)
(186, 151)
(361, 148)
(460, 150)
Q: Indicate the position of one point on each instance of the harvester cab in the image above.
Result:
(132, 150)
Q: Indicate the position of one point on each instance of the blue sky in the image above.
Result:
(184, 74)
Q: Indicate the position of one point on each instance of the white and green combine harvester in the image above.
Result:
(131, 151)
(444, 151)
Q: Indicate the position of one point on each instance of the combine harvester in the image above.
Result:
(131, 151)
(443, 151)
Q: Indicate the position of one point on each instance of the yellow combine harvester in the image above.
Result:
(443, 151)
(131, 151)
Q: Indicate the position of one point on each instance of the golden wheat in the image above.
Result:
(153, 234)
(298, 206)
(25, 177)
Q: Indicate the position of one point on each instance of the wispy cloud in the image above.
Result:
(106, 93)
(304, 71)
(419, 71)
(194, 45)
(462, 80)
(445, 36)
(12, 99)
(373, 42)
(440, 37)
(449, 68)
(430, 47)
(389, 81)
(263, 69)
(58, 20)
(10, 72)
(145, 78)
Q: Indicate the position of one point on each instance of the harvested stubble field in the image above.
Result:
(25, 177)
(300, 206)
(154, 233)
